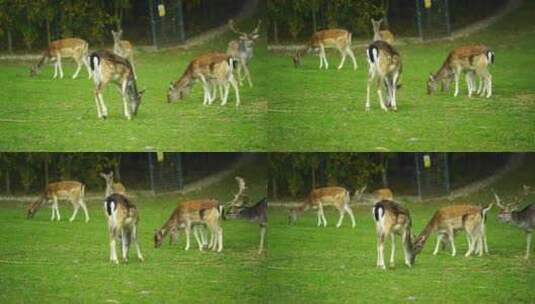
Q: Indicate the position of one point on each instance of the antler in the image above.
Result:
(255, 31)
(233, 28)
(498, 200)
(238, 197)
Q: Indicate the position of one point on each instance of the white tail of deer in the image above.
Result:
(384, 68)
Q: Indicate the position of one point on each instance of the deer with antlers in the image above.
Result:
(384, 68)
(74, 48)
(212, 70)
(123, 48)
(242, 50)
(256, 213)
(383, 35)
(110, 68)
(72, 191)
(318, 198)
(112, 187)
(523, 219)
(331, 38)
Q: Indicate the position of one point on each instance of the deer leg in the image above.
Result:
(343, 54)
(100, 100)
(125, 244)
(125, 101)
(393, 89)
(133, 67)
(341, 218)
(489, 85)
(351, 216)
(406, 248)
(528, 248)
(84, 207)
(97, 102)
(456, 83)
(60, 67)
(324, 57)
(236, 89)
(113, 253)
(76, 207)
(197, 238)
(55, 70)
(220, 239)
(88, 68)
(380, 249)
(58, 217)
(319, 218)
(485, 246)
(225, 95)
(393, 249)
(238, 71)
(247, 74)
(451, 237)
(188, 231)
(136, 243)
(322, 215)
(263, 229)
(352, 56)
(371, 76)
(172, 237)
(78, 68)
(439, 240)
(380, 94)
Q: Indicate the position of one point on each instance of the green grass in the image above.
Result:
(60, 115)
(329, 265)
(318, 110)
(62, 262)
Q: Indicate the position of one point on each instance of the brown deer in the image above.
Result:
(74, 48)
(384, 68)
(112, 187)
(331, 38)
(186, 216)
(242, 50)
(390, 219)
(212, 70)
(123, 220)
(521, 218)
(378, 34)
(473, 60)
(446, 221)
(123, 48)
(110, 68)
(327, 196)
(72, 191)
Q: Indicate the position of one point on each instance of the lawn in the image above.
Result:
(62, 262)
(329, 265)
(319, 110)
(41, 114)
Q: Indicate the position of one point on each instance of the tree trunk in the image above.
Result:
(314, 22)
(313, 178)
(9, 41)
(275, 32)
(274, 188)
(117, 169)
(48, 36)
(46, 171)
(384, 175)
(8, 183)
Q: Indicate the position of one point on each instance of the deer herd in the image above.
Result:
(216, 70)
(122, 215)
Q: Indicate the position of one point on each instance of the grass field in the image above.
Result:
(60, 115)
(62, 262)
(329, 265)
(318, 110)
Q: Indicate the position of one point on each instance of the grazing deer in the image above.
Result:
(523, 219)
(108, 67)
(212, 70)
(64, 48)
(188, 214)
(449, 219)
(123, 218)
(384, 35)
(65, 190)
(318, 198)
(474, 60)
(123, 48)
(391, 219)
(242, 50)
(112, 187)
(332, 38)
(384, 68)
(256, 213)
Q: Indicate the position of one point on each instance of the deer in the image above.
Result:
(74, 48)
(521, 218)
(72, 191)
(123, 220)
(112, 187)
(446, 221)
(338, 197)
(188, 215)
(212, 70)
(110, 68)
(383, 35)
(256, 213)
(385, 69)
(381, 194)
(473, 60)
(330, 38)
(123, 48)
(390, 219)
(242, 50)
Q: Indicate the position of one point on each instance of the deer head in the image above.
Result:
(252, 36)
(32, 209)
(376, 24)
(117, 35)
(359, 192)
(504, 215)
